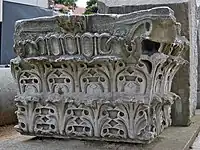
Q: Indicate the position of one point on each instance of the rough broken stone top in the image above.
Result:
(114, 3)
(110, 35)
(103, 77)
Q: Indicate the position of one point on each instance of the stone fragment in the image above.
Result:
(198, 47)
(98, 77)
(8, 91)
(185, 81)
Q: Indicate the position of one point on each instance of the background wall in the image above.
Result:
(41, 3)
(11, 13)
(1, 3)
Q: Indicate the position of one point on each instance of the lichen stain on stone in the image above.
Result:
(72, 24)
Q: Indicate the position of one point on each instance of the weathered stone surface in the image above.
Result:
(8, 91)
(198, 9)
(185, 81)
(198, 47)
(99, 77)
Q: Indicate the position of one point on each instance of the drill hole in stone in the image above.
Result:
(86, 112)
(121, 64)
(164, 123)
(64, 66)
(87, 129)
(33, 67)
(160, 76)
(51, 80)
(121, 114)
(121, 78)
(69, 112)
(60, 91)
(168, 78)
(48, 65)
(121, 132)
(22, 109)
(141, 113)
(70, 128)
(17, 68)
(68, 80)
(150, 47)
(140, 80)
(130, 48)
(52, 126)
(104, 113)
(102, 79)
(99, 65)
(147, 26)
(141, 65)
(82, 65)
(105, 130)
(37, 110)
(52, 111)
(84, 80)
(22, 125)
(35, 81)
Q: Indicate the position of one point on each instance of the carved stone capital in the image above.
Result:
(102, 77)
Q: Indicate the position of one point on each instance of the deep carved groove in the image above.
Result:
(150, 47)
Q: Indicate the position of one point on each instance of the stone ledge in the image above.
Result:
(173, 138)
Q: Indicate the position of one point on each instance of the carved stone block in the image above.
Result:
(97, 77)
(185, 80)
(198, 47)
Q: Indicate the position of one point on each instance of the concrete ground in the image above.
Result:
(11, 140)
(196, 144)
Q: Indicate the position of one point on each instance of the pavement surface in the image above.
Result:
(11, 140)
(196, 144)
